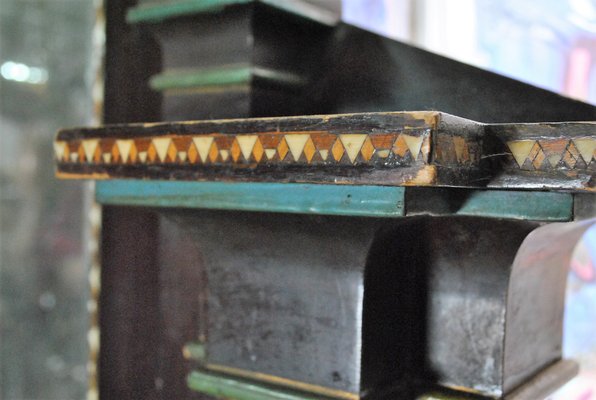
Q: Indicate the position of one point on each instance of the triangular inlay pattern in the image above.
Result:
(161, 147)
(89, 147)
(202, 144)
(586, 148)
(353, 143)
(246, 143)
(124, 148)
(296, 144)
(520, 149)
(414, 144)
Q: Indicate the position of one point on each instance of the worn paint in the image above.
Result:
(280, 382)
(209, 79)
(536, 206)
(539, 206)
(372, 201)
(224, 387)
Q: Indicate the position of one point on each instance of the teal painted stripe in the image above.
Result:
(158, 11)
(217, 77)
(369, 201)
(539, 206)
(201, 78)
(228, 388)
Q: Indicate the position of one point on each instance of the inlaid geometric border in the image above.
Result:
(554, 153)
(318, 148)
(402, 148)
(299, 148)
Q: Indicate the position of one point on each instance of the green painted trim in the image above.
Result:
(305, 10)
(218, 77)
(201, 78)
(228, 388)
(437, 395)
(538, 206)
(159, 11)
(515, 204)
(365, 201)
(368, 201)
(195, 351)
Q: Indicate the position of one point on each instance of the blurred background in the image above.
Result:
(50, 57)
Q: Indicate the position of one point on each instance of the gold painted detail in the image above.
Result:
(306, 148)
(284, 382)
(558, 153)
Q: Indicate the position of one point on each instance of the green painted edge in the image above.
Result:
(364, 201)
(218, 77)
(201, 78)
(368, 201)
(195, 351)
(309, 12)
(437, 395)
(231, 388)
(158, 12)
(538, 206)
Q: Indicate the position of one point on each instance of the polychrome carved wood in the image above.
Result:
(396, 149)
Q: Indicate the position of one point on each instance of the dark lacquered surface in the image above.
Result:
(285, 292)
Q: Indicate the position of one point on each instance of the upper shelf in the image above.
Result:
(390, 149)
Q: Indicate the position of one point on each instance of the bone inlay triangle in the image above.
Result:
(586, 148)
(554, 159)
(143, 156)
(124, 148)
(246, 143)
(414, 144)
(161, 147)
(89, 147)
(296, 144)
(59, 149)
(520, 150)
(224, 154)
(203, 144)
(270, 153)
(324, 154)
(352, 144)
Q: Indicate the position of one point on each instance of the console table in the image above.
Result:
(334, 256)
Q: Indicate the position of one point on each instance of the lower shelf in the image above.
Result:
(233, 388)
